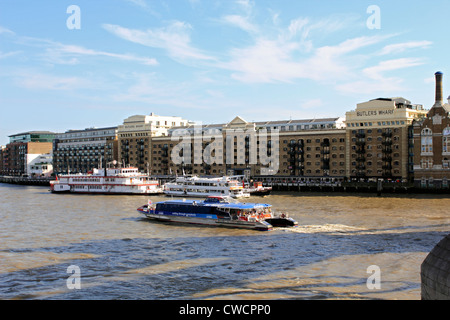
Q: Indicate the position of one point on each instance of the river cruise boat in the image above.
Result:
(197, 187)
(217, 211)
(111, 181)
(257, 189)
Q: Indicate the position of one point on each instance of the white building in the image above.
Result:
(39, 165)
(149, 125)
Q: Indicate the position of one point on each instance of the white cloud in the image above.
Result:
(6, 31)
(240, 22)
(243, 19)
(296, 26)
(149, 89)
(140, 3)
(246, 5)
(59, 53)
(282, 60)
(41, 81)
(174, 38)
(401, 47)
(74, 50)
(4, 55)
(373, 80)
(375, 72)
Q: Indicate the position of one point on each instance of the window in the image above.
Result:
(446, 140)
(426, 163)
(427, 141)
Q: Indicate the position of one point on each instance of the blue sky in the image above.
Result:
(211, 60)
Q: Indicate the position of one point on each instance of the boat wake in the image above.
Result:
(326, 228)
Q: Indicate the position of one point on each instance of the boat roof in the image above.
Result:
(237, 205)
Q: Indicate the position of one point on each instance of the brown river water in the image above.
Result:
(121, 255)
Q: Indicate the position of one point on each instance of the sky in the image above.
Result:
(78, 64)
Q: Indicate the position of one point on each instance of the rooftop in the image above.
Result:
(31, 132)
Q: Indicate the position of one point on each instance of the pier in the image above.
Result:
(25, 181)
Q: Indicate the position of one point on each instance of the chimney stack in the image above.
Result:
(439, 92)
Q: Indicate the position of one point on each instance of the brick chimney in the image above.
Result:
(439, 91)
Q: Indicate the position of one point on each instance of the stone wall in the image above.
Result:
(435, 272)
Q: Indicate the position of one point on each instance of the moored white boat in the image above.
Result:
(111, 181)
(257, 189)
(194, 186)
(217, 211)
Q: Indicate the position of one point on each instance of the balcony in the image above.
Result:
(387, 134)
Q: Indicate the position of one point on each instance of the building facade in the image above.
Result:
(81, 151)
(135, 135)
(2, 154)
(23, 149)
(379, 140)
(432, 143)
(300, 149)
(40, 166)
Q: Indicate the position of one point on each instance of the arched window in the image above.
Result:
(446, 140)
(427, 141)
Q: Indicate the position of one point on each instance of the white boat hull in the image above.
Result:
(253, 225)
(109, 181)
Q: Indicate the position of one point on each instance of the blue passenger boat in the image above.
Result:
(217, 211)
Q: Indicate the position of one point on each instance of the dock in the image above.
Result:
(26, 181)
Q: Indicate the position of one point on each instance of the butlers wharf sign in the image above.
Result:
(374, 113)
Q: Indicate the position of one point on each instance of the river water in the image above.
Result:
(121, 255)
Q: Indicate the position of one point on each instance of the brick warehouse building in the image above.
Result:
(432, 143)
(375, 143)
(305, 149)
(379, 139)
(135, 136)
(23, 149)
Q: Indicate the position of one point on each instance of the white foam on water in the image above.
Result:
(326, 228)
